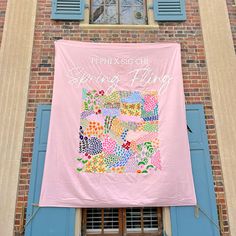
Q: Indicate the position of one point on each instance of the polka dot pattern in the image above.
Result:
(94, 146)
(108, 145)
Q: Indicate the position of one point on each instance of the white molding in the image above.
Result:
(78, 222)
(221, 65)
(15, 67)
(166, 221)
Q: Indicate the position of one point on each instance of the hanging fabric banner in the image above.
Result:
(118, 132)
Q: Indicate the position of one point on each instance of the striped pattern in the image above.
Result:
(67, 9)
(169, 10)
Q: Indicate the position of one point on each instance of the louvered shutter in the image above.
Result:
(194, 221)
(67, 9)
(169, 10)
(45, 221)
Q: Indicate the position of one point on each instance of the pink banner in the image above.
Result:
(118, 133)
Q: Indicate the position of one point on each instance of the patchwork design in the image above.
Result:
(119, 132)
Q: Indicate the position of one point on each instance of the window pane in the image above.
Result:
(133, 219)
(98, 220)
(150, 219)
(94, 220)
(132, 12)
(132, 2)
(132, 15)
(104, 12)
(141, 220)
(111, 219)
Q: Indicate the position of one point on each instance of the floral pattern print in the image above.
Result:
(119, 132)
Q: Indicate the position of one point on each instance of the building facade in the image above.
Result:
(27, 35)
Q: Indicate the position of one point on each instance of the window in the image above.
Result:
(118, 222)
(118, 12)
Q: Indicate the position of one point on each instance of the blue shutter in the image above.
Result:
(169, 10)
(188, 221)
(44, 221)
(67, 9)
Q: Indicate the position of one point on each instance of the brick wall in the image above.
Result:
(231, 4)
(3, 5)
(196, 84)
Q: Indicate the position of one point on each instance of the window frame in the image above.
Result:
(122, 230)
(151, 22)
(145, 9)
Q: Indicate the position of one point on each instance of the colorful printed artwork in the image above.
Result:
(119, 132)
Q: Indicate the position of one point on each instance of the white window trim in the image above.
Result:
(151, 24)
(166, 221)
(78, 222)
